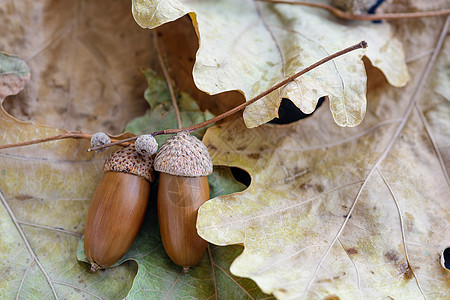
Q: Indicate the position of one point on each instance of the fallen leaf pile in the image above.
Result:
(332, 212)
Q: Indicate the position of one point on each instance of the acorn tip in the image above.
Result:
(94, 266)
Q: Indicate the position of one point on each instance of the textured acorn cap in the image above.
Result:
(184, 155)
(128, 160)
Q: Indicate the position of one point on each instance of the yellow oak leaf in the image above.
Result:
(342, 212)
(250, 46)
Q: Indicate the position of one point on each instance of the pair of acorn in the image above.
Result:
(120, 200)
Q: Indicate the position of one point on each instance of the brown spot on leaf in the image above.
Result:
(352, 251)
(254, 156)
(23, 197)
(409, 221)
(211, 147)
(331, 297)
(320, 188)
(305, 186)
(403, 268)
(282, 290)
(327, 280)
(392, 256)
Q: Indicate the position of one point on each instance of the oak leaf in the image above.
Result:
(250, 46)
(45, 190)
(343, 212)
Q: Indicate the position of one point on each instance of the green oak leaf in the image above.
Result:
(157, 276)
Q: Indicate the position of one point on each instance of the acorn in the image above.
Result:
(118, 207)
(184, 163)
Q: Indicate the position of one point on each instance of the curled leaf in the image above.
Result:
(250, 46)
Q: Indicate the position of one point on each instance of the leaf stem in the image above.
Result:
(168, 80)
(211, 260)
(369, 17)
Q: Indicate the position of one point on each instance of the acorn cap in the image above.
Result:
(184, 155)
(128, 160)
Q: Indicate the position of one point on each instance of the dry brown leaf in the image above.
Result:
(355, 213)
(85, 60)
(250, 46)
(45, 190)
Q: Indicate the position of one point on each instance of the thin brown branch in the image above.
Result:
(372, 17)
(79, 135)
(168, 80)
(69, 135)
(360, 45)
(238, 108)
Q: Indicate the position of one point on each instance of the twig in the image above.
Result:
(240, 107)
(369, 17)
(69, 135)
(78, 135)
(168, 80)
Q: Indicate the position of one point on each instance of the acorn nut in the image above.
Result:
(183, 162)
(118, 207)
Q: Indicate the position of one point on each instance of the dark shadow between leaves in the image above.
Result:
(289, 113)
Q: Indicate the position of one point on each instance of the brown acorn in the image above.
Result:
(183, 162)
(118, 207)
